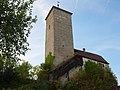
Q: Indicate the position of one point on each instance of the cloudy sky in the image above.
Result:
(96, 27)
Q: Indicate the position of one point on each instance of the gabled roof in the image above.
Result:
(67, 66)
(76, 60)
(91, 56)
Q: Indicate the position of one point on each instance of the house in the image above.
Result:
(59, 41)
(69, 68)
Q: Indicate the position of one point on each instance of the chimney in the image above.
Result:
(84, 49)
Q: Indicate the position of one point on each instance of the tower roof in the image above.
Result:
(54, 7)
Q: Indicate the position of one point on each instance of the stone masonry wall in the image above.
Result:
(59, 38)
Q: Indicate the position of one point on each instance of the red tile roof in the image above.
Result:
(89, 55)
(76, 60)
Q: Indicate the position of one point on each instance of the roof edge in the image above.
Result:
(58, 9)
(76, 50)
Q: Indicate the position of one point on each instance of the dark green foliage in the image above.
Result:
(8, 75)
(44, 81)
(55, 85)
(93, 77)
(109, 79)
(23, 72)
(47, 68)
(71, 85)
(43, 85)
(15, 25)
(13, 74)
(35, 72)
(93, 70)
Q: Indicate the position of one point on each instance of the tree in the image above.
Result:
(45, 71)
(15, 25)
(14, 74)
(109, 79)
(23, 71)
(35, 72)
(47, 67)
(93, 77)
(8, 74)
(102, 78)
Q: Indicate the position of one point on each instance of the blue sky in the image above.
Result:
(96, 27)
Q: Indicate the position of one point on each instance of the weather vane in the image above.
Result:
(58, 3)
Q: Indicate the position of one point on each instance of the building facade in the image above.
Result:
(59, 41)
(59, 38)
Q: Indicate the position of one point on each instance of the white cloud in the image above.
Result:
(41, 7)
(36, 38)
(36, 54)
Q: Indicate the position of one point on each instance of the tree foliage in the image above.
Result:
(18, 76)
(94, 77)
(7, 73)
(15, 25)
(47, 67)
(23, 71)
(35, 72)
(14, 74)
(22, 76)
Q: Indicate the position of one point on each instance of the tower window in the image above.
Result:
(49, 26)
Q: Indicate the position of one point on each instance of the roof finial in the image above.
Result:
(58, 3)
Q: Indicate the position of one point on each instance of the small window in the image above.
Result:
(49, 26)
(62, 45)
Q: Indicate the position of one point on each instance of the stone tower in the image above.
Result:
(59, 38)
